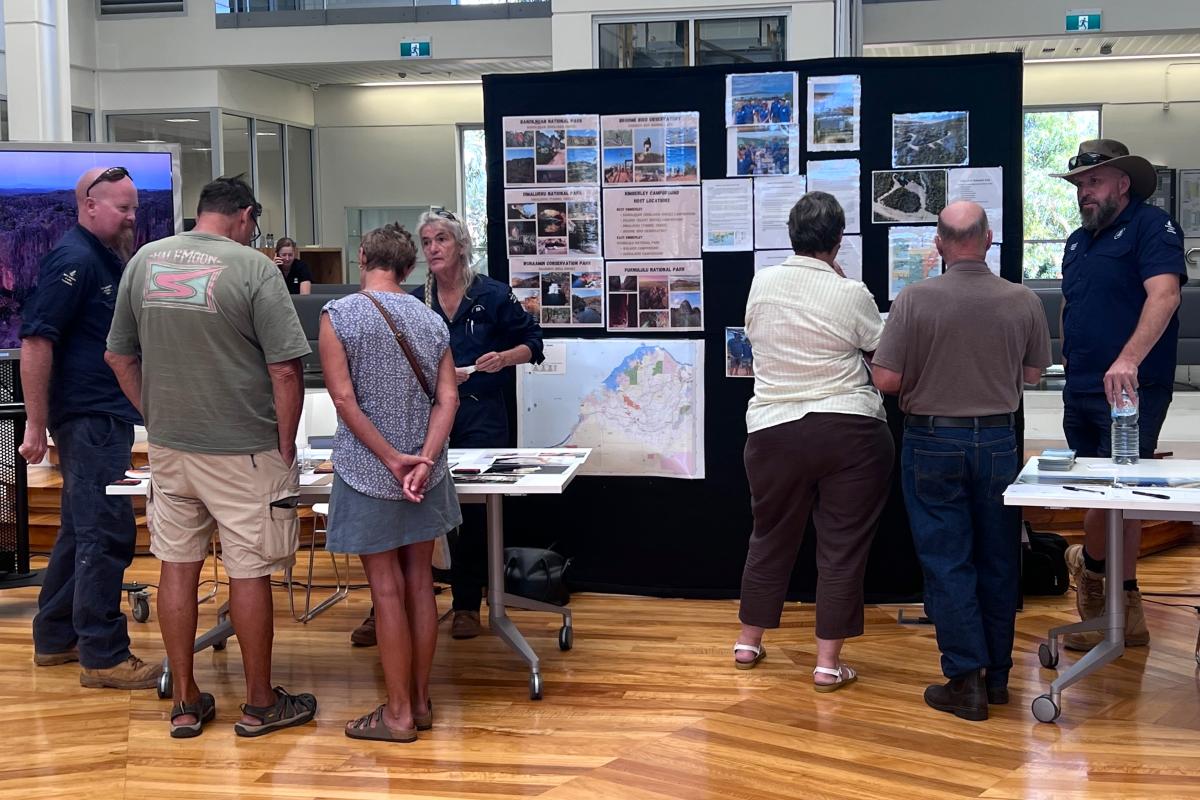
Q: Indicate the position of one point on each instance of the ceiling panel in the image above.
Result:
(415, 70)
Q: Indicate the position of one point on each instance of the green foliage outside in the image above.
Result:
(474, 161)
(1051, 138)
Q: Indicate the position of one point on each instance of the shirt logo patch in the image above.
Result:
(1121, 233)
(1073, 246)
(181, 287)
(1171, 228)
(107, 290)
(69, 278)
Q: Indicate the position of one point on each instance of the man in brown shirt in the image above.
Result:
(957, 348)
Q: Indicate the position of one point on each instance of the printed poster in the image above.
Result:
(651, 148)
(850, 257)
(552, 222)
(773, 201)
(728, 220)
(840, 178)
(930, 139)
(763, 150)
(655, 295)
(982, 185)
(834, 113)
(559, 292)
(760, 98)
(552, 150)
(912, 195)
(739, 355)
(652, 222)
(769, 258)
(912, 257)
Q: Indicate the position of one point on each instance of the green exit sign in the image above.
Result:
(416, 48)
(1083, 20)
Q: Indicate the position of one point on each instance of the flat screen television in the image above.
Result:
(37, 206)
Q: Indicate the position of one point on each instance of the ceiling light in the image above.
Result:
(265, 133)
(180, 119)
(421, 83)
(1111, 58)
(151, 141)
(201, 149)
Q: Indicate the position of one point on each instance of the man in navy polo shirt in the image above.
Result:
(70, 389)
(1121, 276)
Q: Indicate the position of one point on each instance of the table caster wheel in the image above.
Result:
(535, 686)
(1048, 657)
(141, 606)
(566, 637)
(1045, 709)
(164, 685)
(219, 645)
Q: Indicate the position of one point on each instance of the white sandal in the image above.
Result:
(759, 651)
(845, 676)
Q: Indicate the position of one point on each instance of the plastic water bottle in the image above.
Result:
(1125, 444)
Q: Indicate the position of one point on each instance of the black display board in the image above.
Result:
(687, 538)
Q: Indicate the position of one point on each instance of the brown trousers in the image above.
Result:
(838, 467)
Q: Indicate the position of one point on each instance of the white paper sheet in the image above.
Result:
(652, 222)
(728, 215)
(773, 201)
(769, 258)
(982, 185)
(840, 178)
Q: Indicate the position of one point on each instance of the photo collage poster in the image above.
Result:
(762, 137)
(912, 257)
(654, 222)
(655, 295)
(555, 151)
(559, 292)
(552, 222)
(651, 148)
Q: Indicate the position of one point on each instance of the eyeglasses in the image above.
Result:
(1087, 160)
(255, 212)
(110, 175)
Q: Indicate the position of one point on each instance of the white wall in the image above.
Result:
(810, 28)
(389, 146)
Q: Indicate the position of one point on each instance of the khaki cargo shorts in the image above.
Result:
(249, 499)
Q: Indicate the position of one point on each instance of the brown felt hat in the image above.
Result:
(1143, 181)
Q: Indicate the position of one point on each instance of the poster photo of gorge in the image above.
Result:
(37, 206)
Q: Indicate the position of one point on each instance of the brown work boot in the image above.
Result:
(132, 673)
(465, 625)
(1089, 599)
(1136, 632)
(54, 659)
(364, 634)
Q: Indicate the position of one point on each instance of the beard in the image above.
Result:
(1100, 217)
(124, 244)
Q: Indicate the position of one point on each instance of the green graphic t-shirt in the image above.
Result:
(207, 315)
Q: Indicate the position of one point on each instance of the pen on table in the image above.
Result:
(1151, 494)
(1080, 489)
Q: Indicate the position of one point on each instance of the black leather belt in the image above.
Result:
(993, 421)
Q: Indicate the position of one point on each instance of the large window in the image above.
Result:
(1051, 213)
(300, 186)
(474, 190)
(191, 130)
(690, 42)
(81, 126)
(268, 136)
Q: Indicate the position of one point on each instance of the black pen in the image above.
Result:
(1152, 494)
(1078, 489)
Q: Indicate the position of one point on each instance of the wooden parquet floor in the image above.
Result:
(645, 707)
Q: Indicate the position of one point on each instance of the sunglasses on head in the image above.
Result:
(110, 175)
(444, 214)
(1087, 160)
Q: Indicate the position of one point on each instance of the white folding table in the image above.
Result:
(470, 490)
(1151, 489)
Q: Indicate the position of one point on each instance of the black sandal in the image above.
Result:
(289, 710)
(204, 711)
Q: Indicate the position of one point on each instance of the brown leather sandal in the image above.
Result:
(371, 726)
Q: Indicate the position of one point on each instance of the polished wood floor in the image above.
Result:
(646, 707)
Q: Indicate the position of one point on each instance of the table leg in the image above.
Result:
(1112, 622)
(498, 619)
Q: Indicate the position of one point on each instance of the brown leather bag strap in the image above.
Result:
(408, 353)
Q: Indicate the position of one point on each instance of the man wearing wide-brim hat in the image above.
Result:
(1122, 270)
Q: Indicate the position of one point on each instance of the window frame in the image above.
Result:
(1042, 109)
(690, 18)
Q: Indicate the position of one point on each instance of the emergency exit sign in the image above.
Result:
(416, 48)
(1083, 20)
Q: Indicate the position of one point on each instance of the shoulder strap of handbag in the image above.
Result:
(400, 340)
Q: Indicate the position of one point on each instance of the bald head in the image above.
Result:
(108, 209)
(963, 233)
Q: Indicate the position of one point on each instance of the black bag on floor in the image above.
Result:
(537, 574)
(1043, 563)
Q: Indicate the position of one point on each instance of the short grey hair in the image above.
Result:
(815, 223)
(974, 233)
(457, 228)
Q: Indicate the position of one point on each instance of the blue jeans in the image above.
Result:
(80, 601)
(1087, 419)
(968, 542)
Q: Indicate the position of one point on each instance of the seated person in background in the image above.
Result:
(818, 439)
(392, 494)
(296, 273)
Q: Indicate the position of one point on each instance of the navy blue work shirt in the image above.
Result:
(490, 318)
(1103, 292)
(72, 306)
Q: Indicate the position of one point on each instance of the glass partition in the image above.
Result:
(301, 225)
(235, 143)
(191, 130)
(268, 136)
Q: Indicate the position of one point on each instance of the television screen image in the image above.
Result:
(37, 206)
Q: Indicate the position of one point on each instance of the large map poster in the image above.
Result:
(639, 404)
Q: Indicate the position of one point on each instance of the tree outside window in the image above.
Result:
(1051, 212)
(474, 192)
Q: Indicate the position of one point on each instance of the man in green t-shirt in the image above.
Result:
(206, 343)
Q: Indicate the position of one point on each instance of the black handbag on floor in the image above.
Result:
(537, 574)
(1044, 563)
